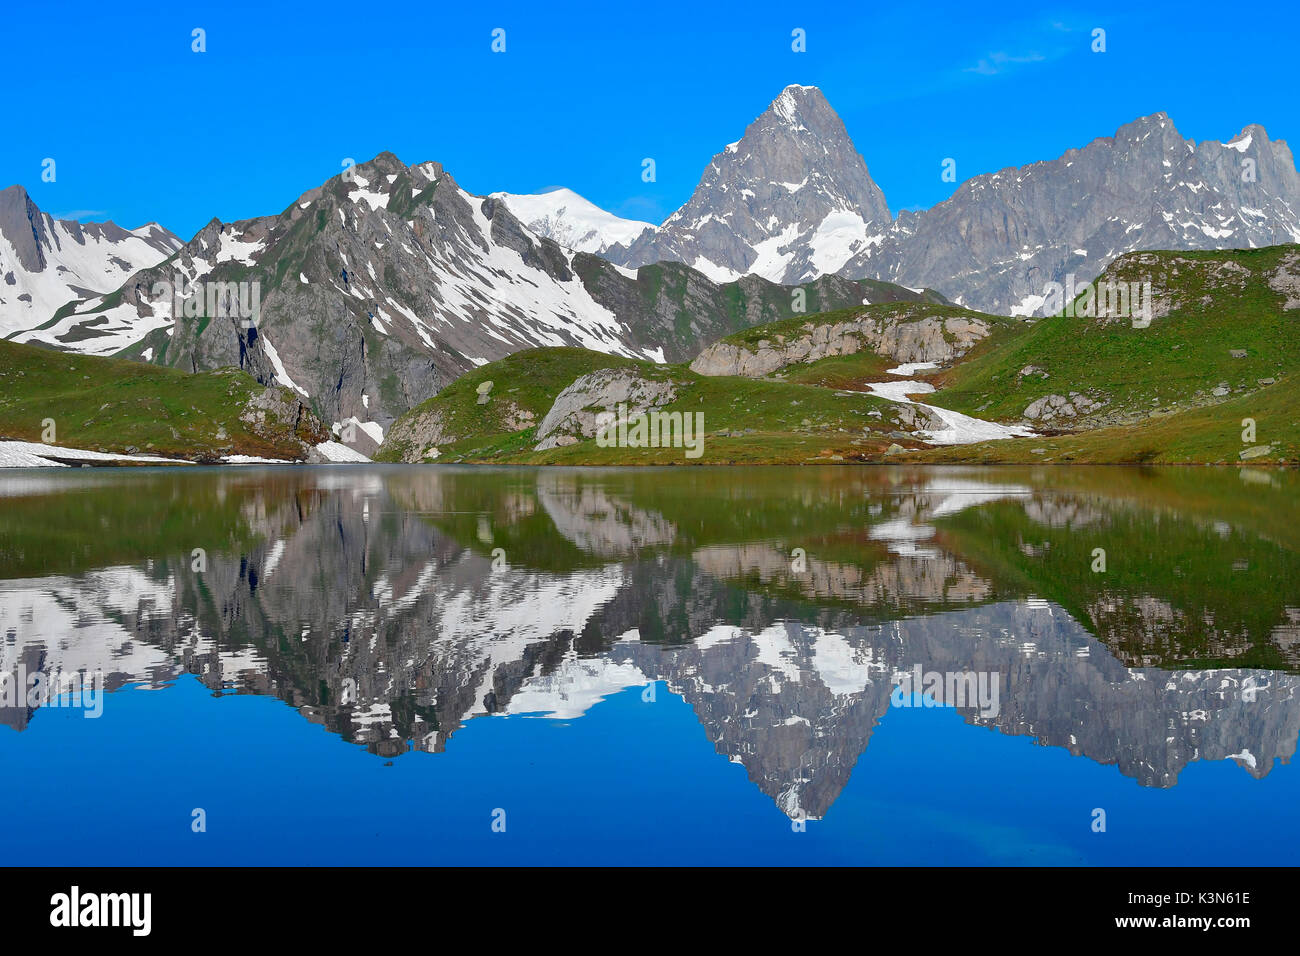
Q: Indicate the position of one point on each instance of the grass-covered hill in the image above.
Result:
(1208, 435)
(1220, 328)
(1222, 352)
(746, 420)
(126, 407)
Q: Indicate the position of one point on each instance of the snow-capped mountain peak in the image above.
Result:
(572, 221)
(380, 285)
(790, 200)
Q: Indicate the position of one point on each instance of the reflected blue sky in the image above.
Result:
(630, 782)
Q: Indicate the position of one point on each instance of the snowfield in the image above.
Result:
(961, 430)
(30, 454)
(572, 221)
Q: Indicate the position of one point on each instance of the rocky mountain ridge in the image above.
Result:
(792, 200)
(46, 262)
(378, 288)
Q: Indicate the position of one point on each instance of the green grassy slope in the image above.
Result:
(745, 420)
(1208, 435)
(1217, 301)
(113, 405)
(523, 382)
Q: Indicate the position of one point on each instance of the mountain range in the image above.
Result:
(388, 282)
(792, 200)
(381, 286)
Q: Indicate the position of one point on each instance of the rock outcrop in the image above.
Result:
(276, 414)
(1286, 280)
(909, 336)
(573, 415)
(1053, 407)
(418, 435)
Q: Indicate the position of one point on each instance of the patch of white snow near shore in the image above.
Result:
(30, 454)
(961, 429)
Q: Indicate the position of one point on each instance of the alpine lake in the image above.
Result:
(826, 665)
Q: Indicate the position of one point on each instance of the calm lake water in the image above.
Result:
(767, 665)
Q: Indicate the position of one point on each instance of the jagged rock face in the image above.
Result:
(573, 416)
(277, 412)
(790, 201)
(909, 336)
(47, 262)
(1002, 237)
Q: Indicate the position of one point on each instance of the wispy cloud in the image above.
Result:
(1001, 61)
(80, 214)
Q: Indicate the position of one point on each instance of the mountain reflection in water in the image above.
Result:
(394, 605)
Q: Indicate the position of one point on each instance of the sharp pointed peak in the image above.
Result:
(16, 194)
(795, 98)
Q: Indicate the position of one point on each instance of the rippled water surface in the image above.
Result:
(442, 665)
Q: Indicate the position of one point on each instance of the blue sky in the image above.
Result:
(142, 128)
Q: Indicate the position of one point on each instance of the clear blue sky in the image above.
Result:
(144, 129)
